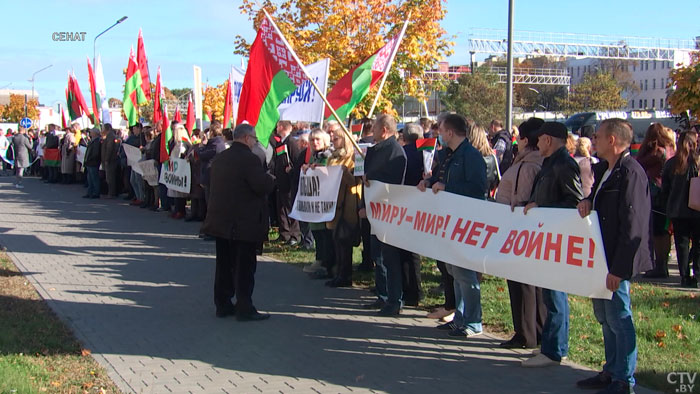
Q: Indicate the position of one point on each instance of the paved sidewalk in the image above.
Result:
(136, 287)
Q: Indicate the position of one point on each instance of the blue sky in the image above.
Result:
(181, 33)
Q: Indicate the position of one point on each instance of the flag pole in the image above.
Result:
(313, 83)
(325, 87)
(388, 66)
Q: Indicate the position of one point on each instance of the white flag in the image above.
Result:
(102, 91)
(304, 104)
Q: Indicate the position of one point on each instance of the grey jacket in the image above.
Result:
(21, 146)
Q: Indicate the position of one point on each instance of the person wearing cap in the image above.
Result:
(621, 197)
(557, 185)
(526, 301)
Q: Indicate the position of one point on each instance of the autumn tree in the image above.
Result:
(146, 110)
(685, 83)
(114, 102)
(14, 110)
(349, 31)
(597, 92)
(213, 101)
(478, 96)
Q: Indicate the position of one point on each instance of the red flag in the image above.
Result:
(165, 136)
(307, 157)
(177, 116)
(228, 110)
(64, 121)
(143, 66)
(77, 103)
(93, 92)
(189, 123)
(157, 105)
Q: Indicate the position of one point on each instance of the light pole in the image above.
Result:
(509, 60)
(94, 42)
(538, 93)
(33, 75)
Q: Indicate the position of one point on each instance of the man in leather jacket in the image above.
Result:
(557, 185)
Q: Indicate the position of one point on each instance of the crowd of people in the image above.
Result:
(240, 188)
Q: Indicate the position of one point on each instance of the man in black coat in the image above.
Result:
(281, 167)
(386, 162)
(92, 164)
(237, 217)
(557, 185)
(621, 197)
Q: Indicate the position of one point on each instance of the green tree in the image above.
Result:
(477, 96)
(597, 92)
(14, 111)
(180, 92)
(685, 88)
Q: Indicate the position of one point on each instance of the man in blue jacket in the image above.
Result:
(461, 170)
(621, 198)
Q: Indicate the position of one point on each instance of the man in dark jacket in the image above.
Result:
(92, 164)
(110, 162)
(461, 170)
(285, 150)
(237, 218)
(621, 197)
(206, 152)
(412, 290)
(557, 185)
(385, 162)
(52, 143)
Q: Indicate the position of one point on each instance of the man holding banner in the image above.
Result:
(621, 198)
(461, 170)
(557, 185)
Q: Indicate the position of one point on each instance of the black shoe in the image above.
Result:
(190, 219)
(654, 274)
(693, 282)
(228, 310)
(512, 344)
(253, 316)
(617, 387)
(337, 282)
(447, 326)
(600, 381)
(411, 302)
(320, 274)
(389, 310)
(378, 304)
(365, 267)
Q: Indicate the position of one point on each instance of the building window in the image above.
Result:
(654, 64)
(645, 103)
(661, 101)
(578, 71)
(653, 82)
(670, 65)
(632, 104)
(634, 67)
(646, 84)
(653, 103)
(640, 104)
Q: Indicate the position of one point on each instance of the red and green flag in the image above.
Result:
(273, 74)
(142, 61)
(166, 136)
(354, 86)
(133, 91)
(634, 149)
(228, 104)
(158, 100)
(189, 123)
(64, 120)
(96, 99)
(427, 146)
(177, 116)
(207, 116)
(76, 103)
(281, 150)
(426, 143)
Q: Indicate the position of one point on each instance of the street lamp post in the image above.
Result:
(537, 92)
(35, 73)
(94, 42)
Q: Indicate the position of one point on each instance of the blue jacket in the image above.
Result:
(466, 174)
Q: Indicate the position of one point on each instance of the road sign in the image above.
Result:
(26, 123)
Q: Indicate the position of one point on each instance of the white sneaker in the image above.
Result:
(539, 361)
(313, 267)
(19, 186)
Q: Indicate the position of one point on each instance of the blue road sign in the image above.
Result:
(26, 123)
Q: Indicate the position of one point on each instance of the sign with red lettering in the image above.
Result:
(551, 248)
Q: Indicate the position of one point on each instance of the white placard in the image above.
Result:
(80, 154)
(552, 248)
(360, 160)
(305, 104)
(149, 172)
(317, 194)
(133, 155)
(176, 175)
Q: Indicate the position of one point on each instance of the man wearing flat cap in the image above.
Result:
(557, 185)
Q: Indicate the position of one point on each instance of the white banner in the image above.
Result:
(359, 160)
(176, 175)
(149, 172)
(317, 195)
(305, 104)
(80, 154)
(549, 247)
(237, 77)
(133, 155)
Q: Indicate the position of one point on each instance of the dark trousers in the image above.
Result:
(307, 238)
(325, 250)
(111, 176)
(199, 209)
(528, 311)
(93, 179)
(412, 291)
(288, 227)
(54, 174)
(448, 284)
(235, 274)
(126, 181)
(180, 204)
(343, 261)
(366, 243)
(685, 231)
(165, 201)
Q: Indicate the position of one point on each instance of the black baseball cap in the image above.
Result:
(554, 129)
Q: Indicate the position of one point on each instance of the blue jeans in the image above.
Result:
(620, 339)
(137, 184)
(93, 181)
(388, 273)
(467, 298)
(555, 333)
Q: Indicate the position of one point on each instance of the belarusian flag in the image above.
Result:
(354, 86)
(96, 99)
(207, 116)
(177, 116)
(189, 123)
(165, 137)
(143, 66)
(64, 121)
(281, 150)
(228, 102)
(76, 103)
(272, 75)
(158, 101)
(356, 129)
(133, 92)
(426, 143)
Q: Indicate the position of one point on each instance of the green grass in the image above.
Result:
(37, 351)
(666, 320)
